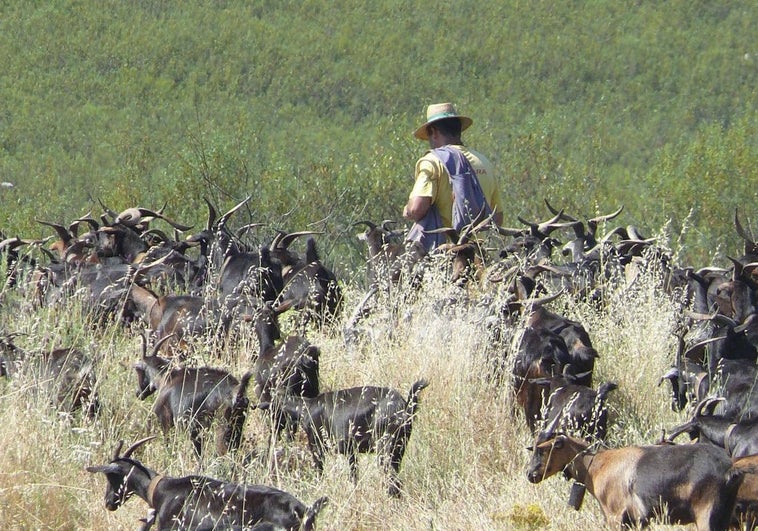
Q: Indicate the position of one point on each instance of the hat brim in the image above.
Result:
(421, 134)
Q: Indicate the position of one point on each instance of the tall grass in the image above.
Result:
(465, 463)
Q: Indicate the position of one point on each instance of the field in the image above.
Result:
(465, 464)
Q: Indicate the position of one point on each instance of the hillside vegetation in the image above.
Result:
(308, 106)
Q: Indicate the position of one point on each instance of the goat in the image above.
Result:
(193, 397)
(746, 508)
(67, 374)
(180, 316)
(198, 503)
(733, 380)
(575, 407)
(290, 369)
(739, 439)
(312, 288)
(358, 420)
(693, 483)
(581, 353)
(540, 354)
(385, 252)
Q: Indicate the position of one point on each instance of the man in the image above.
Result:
(431, 202)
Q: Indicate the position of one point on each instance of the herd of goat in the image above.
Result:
(214, 281)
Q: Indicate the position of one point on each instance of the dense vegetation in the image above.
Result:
(308, 106)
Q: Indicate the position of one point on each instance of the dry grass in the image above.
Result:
(465, 464)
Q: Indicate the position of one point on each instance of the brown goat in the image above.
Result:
(693, 483)
(200, 503)
(746, 510)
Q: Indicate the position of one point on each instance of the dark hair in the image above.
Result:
(446, 126)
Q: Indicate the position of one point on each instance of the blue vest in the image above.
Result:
(468, 199)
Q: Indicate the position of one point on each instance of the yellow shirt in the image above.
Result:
(433, 180)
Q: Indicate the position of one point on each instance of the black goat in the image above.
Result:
(739, 439)
(290, 369)
(193, 397)
(732, 380)
(581, 353)
(66, 374)
(359, 420)
(691, 483)
(575, 409)
(540, 354)
(195, 503)
(309, 286)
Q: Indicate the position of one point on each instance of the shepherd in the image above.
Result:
(454, 184)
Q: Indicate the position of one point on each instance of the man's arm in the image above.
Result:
(417, 207)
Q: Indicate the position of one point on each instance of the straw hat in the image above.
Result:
(439, 111)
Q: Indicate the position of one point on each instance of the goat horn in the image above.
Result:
(741, 230)
(678, 430)
(555, 211)
(117, 452)
(698, 316)
(508, 231)
(88, 219)
(13, 243)
(634, 233)
(108, 211)
(223, 219)
(211, 214)
(157, 232)
(366, 222)
(244, 228)
(178, 226)
(64, 234)
(136, 445)
(698, 347)
(550, 428)
(539, 301)
(709, 402)
(129, 217)
(737, 270)
(618, 231)
(284, 240)
(160, 343)
(606, 217)
(746, 323)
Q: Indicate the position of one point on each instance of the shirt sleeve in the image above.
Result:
(427, 179)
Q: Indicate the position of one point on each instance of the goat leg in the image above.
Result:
(148, 521)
